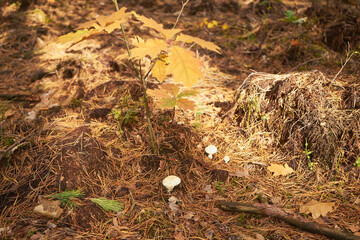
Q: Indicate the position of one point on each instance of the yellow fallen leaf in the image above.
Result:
(316, 208)
(278, 169)
(225, 26)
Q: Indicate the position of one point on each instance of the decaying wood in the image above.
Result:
(292, 219)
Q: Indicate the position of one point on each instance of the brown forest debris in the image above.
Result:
(294, 220)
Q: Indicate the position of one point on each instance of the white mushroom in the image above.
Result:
(210, 150)
(226, 159)
(170, 182)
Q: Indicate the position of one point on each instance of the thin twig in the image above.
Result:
(342, 67)
(178, 17)
(17, 144)
(132, 203)
(306, 62)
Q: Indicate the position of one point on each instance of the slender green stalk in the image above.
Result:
(116, 5)
(143, 81)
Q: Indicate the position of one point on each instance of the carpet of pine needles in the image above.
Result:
(255, 118)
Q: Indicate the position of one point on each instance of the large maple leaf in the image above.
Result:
(159, 70)
(151, 23)
(151, 47)
(184, 66)
(204, 44)
(91, 28)
(78, 36)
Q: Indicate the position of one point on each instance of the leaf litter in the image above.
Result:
(79, 151)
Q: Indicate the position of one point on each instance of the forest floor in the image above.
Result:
(282, 101)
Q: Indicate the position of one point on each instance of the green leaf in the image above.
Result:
(289, 14)
(108, 205)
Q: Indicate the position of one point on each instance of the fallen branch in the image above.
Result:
(295, 220)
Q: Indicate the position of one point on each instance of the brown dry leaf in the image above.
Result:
(259, 236)
(204, 44)
(189, 215)
(49, 208)
(240, 173)
(9, 113)
(173, 204)
(179, 236)
(151, 23)
(316, 208)
(278, 169)
(184, 67)
(151, 47)
(159, 70)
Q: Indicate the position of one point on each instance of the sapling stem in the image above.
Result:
(143, 81)
(116, 5)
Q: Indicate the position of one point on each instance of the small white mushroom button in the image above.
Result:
(170, 182)
(211, 150)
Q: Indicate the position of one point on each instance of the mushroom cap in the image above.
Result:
(171, 181)
(211, 149)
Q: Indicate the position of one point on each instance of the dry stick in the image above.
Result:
(15, 145)
(132, 204)
(295, 220)
(306, 62)
(342, 67)
(181, 10)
